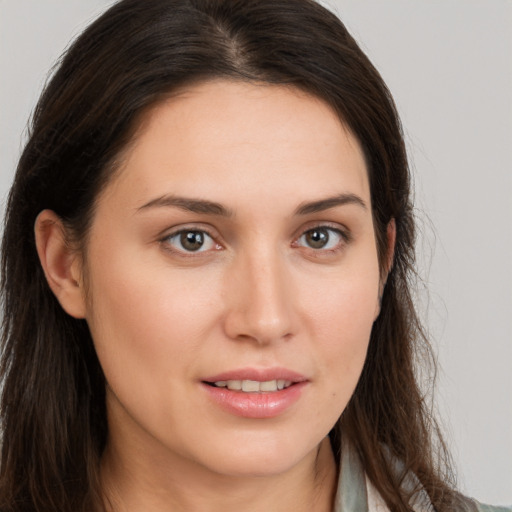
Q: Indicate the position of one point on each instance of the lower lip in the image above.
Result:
(255, 405)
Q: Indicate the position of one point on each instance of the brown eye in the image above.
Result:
(190, 241)
(317, 238)
(321, 238)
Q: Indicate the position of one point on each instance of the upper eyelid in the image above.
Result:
(334, 226)
(346, 238)
(164, 241)
(175, 231)
(174, 234)
(170, 232)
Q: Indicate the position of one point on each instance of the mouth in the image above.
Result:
(257, 393)
(252, 386)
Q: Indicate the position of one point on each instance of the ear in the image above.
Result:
(61, 264)
(389, 257)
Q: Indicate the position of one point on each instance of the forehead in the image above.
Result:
(227, 137)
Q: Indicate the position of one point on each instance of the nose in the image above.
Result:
(260, 302)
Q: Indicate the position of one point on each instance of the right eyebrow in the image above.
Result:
(330, 202)
(188, 204)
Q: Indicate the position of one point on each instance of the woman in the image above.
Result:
(205, 275)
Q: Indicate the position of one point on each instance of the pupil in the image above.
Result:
(317, 238)
(192, 240)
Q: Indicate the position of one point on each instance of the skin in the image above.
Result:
(257, 294)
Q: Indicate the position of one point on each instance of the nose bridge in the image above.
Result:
(261, 302)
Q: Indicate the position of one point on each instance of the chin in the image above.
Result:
(259, 458)
(256, 467)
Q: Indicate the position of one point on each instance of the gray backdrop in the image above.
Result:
(449, 66)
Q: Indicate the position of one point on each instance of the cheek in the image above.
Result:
(146, 321)
(342, 317)
(342, 309)
(149, 315)
(148, 336)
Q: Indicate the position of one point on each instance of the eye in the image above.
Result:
(322, 237)
(190, 240)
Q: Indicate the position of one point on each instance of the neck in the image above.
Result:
(138, 483)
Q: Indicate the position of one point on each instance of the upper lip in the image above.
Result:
(257, 374)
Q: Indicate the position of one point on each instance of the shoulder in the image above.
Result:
(488, 508)
(470, 505)
(356, 493)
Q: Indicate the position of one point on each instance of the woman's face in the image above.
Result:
(234, 249)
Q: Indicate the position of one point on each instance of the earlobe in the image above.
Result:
(62, 265)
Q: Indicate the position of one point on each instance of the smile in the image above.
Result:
(255, 393)
(254, 386)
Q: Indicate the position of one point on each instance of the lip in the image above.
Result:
(259, 374)
(258, 405)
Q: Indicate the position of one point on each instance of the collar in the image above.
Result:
(356, 493)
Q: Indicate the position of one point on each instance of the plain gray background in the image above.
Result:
(449, 66)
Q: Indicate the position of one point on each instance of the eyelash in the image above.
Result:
(343, 235)
(177, 235)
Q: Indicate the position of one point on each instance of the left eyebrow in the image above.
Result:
(330, 202)
(188, 204)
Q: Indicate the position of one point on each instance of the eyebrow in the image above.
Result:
(188, 204)
(330, 202)
(212, 208)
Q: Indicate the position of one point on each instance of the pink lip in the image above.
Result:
(259, 405)
(259, 374)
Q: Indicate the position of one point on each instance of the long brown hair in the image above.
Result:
(53, 401)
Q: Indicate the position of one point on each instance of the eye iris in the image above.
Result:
(317, 238)
(192, 240)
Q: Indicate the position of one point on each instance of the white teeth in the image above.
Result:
(235, 385)
(254, 386)
(269, 385)
(250, 385)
